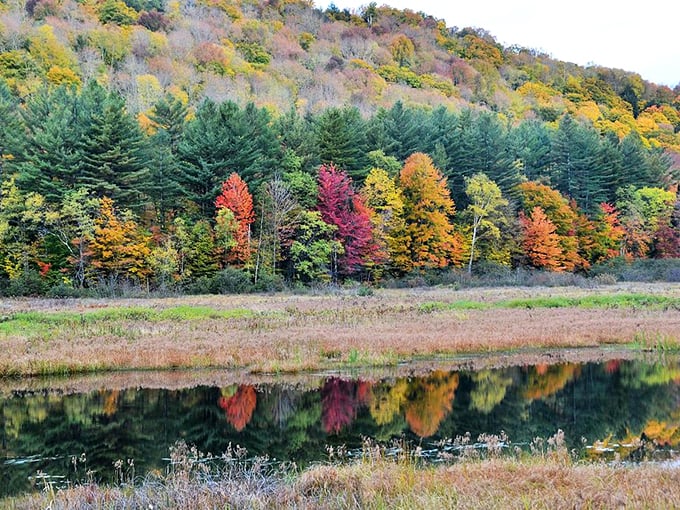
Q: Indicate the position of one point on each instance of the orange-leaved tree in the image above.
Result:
(430, 400)
(239, 404)
(236, 197)
(427, 238)
(541, 243)
(564, 216)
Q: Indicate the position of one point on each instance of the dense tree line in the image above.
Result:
(90, 195)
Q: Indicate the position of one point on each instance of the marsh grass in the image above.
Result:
(292, 333)
(632, 301)
(486, 474)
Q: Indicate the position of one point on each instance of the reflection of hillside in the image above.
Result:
(546, 380)
(430, 399)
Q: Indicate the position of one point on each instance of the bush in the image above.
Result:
(269, 283)
(228, 281)
(154, 21)
(28, 284)
(61, 290)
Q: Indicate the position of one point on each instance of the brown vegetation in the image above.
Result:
(303, 332)
(552, 481)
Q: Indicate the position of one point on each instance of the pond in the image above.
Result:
(601, 407)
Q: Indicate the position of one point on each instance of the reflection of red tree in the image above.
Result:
(364, 392)
(240, 406)
(338, 404)
(612, 366)
(430, 399)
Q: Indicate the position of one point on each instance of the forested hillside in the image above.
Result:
(179, 143)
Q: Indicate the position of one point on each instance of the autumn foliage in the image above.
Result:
(118, 247)
(541, 243)
(236, 197)
(341, 206)
(338, 404)
(427, 239)
(430, 400)
(239, 406)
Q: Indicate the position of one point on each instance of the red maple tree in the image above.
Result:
(343, 207)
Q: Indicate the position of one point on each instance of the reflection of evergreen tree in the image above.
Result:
(300, 437)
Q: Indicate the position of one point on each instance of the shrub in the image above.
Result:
(254, 53)
(28, 284)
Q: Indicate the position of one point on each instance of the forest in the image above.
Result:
(229, 145)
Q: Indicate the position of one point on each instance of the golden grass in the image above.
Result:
(288, 333)
(550, 482)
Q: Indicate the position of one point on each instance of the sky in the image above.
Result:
(633, 36)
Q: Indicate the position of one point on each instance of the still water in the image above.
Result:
(79, 436)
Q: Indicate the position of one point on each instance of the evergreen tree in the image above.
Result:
(50, 157)
(575, 169)
(162, 182)
(10, 134)
(169, 115)
(222, 139)
(398, 132)
(634, 169)
(114, 150)
(529, 145)
(296, 137)
(341, 140)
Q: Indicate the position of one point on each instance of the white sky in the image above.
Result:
(638, 37)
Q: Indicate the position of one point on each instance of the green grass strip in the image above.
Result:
(645, 301)
(32, 320)
(635, 301)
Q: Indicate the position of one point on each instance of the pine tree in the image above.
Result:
(576, 168)
(341, 140)
(113, 150)
(162, 183)
(222, 139)
(169, 114)
(50, 155)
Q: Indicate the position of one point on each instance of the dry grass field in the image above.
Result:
(116, 343)
(292, 333)
(548, 480)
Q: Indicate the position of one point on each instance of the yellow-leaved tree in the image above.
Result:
(426, 239)
(119, 248)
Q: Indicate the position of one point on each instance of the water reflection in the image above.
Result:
(619, 407)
